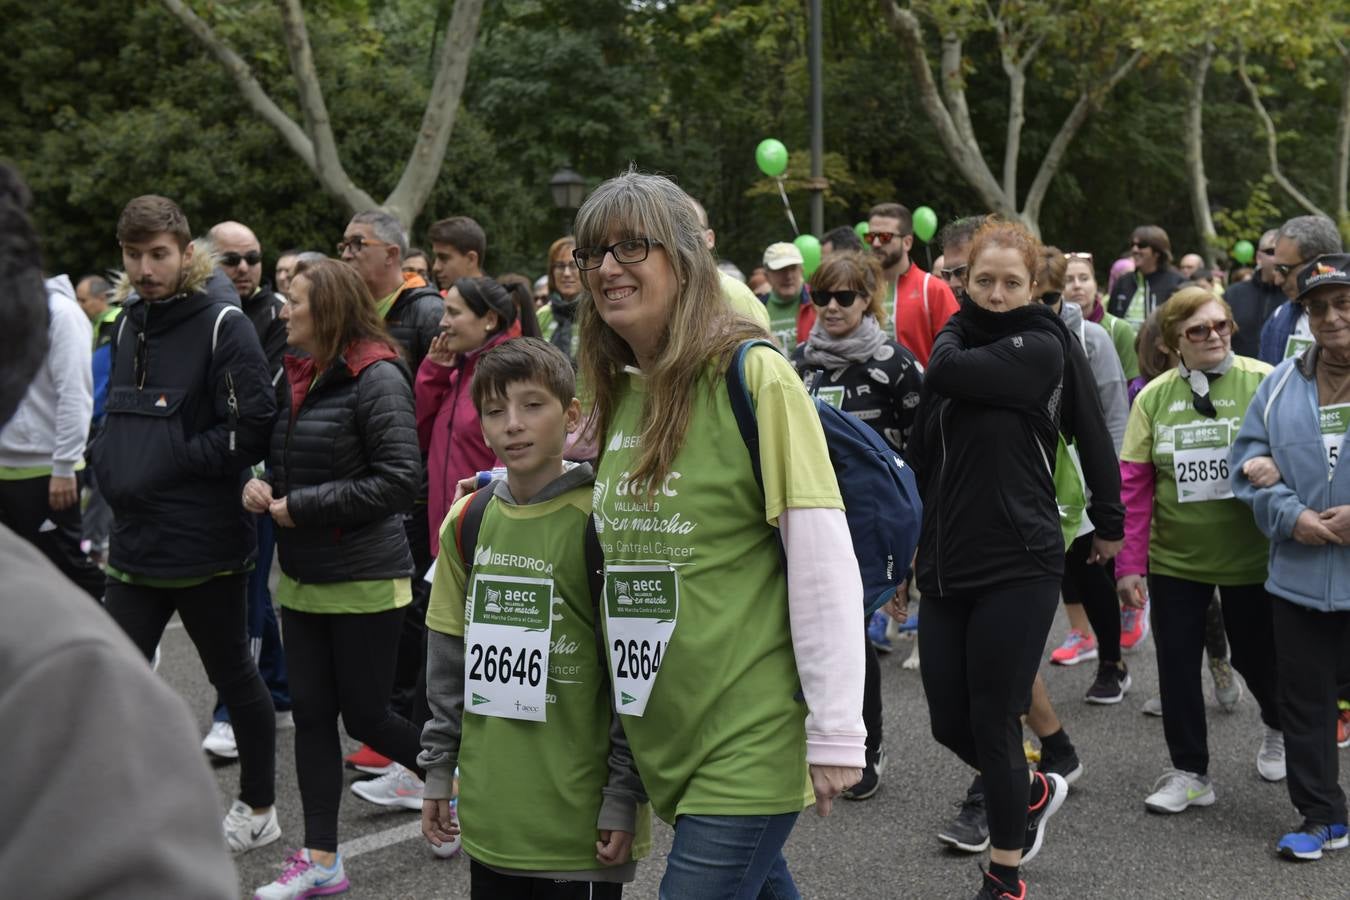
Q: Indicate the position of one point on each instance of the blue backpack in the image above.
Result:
(880, 493)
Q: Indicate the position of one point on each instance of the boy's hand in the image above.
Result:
(438, 822)
(829, 782)
(614, 847)
(464, 487)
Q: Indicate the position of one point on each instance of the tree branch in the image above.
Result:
(1343, 143)
(438, 121)
(1273, 141)
(1195, 153)
(954, 87)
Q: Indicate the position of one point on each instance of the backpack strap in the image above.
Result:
(742, 404)
(220, 317)
(466, 529)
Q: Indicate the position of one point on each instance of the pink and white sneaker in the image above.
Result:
(303, 878)
(1077, 647)
(1133, 626)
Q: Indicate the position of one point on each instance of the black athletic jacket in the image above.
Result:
(1158, 287)
(414, 321)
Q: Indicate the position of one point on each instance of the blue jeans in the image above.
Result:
(264, 637)
(729, 858)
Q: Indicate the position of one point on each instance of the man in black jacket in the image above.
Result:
(374, 244)
(190, 409)
(1255, 300)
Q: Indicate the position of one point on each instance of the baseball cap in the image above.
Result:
(1330, 268)
(781, 255)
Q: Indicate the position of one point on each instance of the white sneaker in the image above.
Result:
(1152, 707)
(1270, 758)
(303, 878)
(219, 741)
(244, 831)
(399, 788)
(285, 719)
(1176, 790)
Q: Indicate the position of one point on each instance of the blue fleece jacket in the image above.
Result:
(1278, 329)
(1283, 421)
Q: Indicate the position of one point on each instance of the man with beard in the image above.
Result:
(916, 302)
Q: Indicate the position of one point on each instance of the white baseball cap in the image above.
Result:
(782, 255)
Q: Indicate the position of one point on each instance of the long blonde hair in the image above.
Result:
(700, 331)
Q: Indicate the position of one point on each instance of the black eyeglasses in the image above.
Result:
(230, 260)
(954, 272)
(356, 244)
(843, 298)
(627, 252)
(1320, 307)
(1285, 268)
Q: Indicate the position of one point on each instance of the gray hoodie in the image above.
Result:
(1106, 369)
(52, 422)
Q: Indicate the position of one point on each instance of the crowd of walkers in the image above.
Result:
(519, 524)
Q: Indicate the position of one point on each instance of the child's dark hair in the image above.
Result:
(523, 359)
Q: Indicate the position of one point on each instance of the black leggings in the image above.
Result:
(487, 884)
(1180, 607)
(215, 617)
(1094, 586)
(25, 509)
(871, 700)
(980, 657)
(341, 663)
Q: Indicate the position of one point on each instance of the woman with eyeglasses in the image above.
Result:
(1080, 286)
(849, 362)
(558, 317)
(1133, 297)
(721, 622)
(1187, 534)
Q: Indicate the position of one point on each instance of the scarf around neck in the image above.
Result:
(564, 316)
(858, 346)
(1199, 380)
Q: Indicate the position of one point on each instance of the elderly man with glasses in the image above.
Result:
(916, 302)
(1299, 241)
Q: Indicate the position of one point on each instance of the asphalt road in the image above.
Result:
(1102, 843)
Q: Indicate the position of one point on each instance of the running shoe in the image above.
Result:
(876, 632)
(1110, 685)
(870, 781)
(1310, 840)
(1056, 789)
(1343, 728)
(969, 831)
(993, 889)
(396, 788)
(302, 878)
(246, 831)
(219, 741)
(368, 761)
(1067, 766)
(285, 720)
(1152, 707)
(1227, 689)
(1077, 647)
(1270, 758)
(1176, 790)
(1133, 626)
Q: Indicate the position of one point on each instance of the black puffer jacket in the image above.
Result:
(344, 455)
(414, 321)
(983, 447)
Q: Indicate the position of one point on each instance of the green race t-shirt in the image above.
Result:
(1214, 541)
(1122, 337)
(530, 792)
(783, 320)
(379, 595)
(743, 301)
(722, 733)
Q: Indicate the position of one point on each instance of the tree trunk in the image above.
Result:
(1273, 142)
(1195, 153)
(1343, 145)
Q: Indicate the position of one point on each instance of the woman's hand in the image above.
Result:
(257, 496)
(1261, 471)
(898, 606)
(1132, 591)
(439, 352)
(829, 782)
(281, 513)
(1103, 551)
(614, 847)
(438, 822)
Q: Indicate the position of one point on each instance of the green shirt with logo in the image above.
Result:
(783, 320)
(1213, 541)
(722, 732)
(530, 792)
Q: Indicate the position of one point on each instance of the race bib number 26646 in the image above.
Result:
(506, 646)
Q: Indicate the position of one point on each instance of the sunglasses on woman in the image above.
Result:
(1198, 334)
(843, 298)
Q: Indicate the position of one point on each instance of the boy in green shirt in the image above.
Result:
(551, 804)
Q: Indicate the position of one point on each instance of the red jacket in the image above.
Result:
(923, 303)
(449, 432)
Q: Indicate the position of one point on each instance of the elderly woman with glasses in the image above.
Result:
(1153, 281)
(1187, 534)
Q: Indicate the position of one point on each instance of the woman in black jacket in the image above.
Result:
(345, 464)
(991, 553)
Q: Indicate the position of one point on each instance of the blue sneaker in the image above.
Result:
(911, 623)
(876, 632)
(1310, 840)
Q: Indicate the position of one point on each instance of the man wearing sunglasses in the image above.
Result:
(1254, 301)
(916, 302)
(1300, 241)
(1153, 282)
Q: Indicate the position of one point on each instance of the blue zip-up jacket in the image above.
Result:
(1277, 330)
(1283, 421)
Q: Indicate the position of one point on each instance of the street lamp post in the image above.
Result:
(569, 189)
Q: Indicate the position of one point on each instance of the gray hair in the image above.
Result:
(386, 228)
(1313, 235)
(306, 259)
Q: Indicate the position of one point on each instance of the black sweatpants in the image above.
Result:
(215, 617)
(409, 696)
(980, 657)
(871, 710)
(1094, 586)
(1309, 648)
(25, 510)
(1179, 611)
(485, 884)
(341, 663)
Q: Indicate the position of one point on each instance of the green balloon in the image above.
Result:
(771, 157)
(1244, 252)
(862, 229)
(810, 249)
(925, 223)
